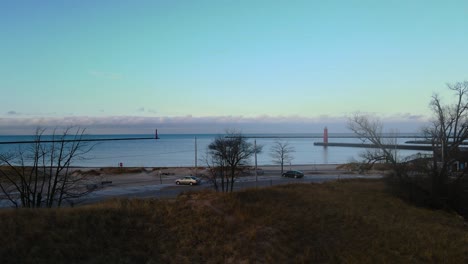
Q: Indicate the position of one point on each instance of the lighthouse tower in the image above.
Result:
(325, 136)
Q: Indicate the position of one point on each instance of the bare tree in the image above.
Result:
(404, 179)
(281, 152)
(371, 131)
(229, 153)
(215, 169)
(447, 133)
(39, 175)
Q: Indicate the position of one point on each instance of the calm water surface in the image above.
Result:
(179, 150)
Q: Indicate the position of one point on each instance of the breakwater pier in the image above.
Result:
(366, 145)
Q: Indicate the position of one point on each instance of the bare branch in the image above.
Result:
(41, 175)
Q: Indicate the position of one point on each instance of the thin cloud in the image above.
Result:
(145, 110)
(12, 113)
(412, 117)
(206, 124)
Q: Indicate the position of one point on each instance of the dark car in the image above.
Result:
(293, 174)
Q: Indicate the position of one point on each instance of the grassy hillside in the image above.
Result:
(340, 222)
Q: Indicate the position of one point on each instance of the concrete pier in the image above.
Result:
(362, 145)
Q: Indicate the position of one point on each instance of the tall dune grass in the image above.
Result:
(340, 222)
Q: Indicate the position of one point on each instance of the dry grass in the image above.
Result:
(340, 222)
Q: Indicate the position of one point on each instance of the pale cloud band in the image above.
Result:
(208, 124)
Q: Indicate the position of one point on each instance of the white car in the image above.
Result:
(190, 180)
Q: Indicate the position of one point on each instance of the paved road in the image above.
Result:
(170, 190)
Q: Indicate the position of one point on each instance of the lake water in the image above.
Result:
(178, 150)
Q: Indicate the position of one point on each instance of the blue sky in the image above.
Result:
(204, 66)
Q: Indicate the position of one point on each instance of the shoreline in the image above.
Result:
(269, 166)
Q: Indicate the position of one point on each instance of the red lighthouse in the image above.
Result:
(325, 136)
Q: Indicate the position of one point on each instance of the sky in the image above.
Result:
(207, 66)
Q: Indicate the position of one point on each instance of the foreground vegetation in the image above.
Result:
(338, 222)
